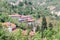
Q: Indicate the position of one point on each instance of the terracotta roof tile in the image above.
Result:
(23, 16)
(15, 15)
(7, 24)
(30, 20)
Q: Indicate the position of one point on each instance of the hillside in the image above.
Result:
(31, 7)
(29, 19)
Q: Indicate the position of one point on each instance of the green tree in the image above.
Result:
(21, 4)
(44, 26)
(4, 17)
(1, 26)
(44, 23)
(50, 26)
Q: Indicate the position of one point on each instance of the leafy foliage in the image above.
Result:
(28, 7)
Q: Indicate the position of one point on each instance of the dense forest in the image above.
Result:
(45, 26)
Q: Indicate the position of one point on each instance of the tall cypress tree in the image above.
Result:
(44, 25)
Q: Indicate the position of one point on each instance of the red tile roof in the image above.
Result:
(30, 20)
(24, 32)
(7, 24)
(15, 15)
(32, 33)
(23, 16)
(28, 17)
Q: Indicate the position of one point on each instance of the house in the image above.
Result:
(32, 33)
(57, 13)
(15, 16)
(9, 25)
(30, 21)
(24, 18)
(51, 7)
